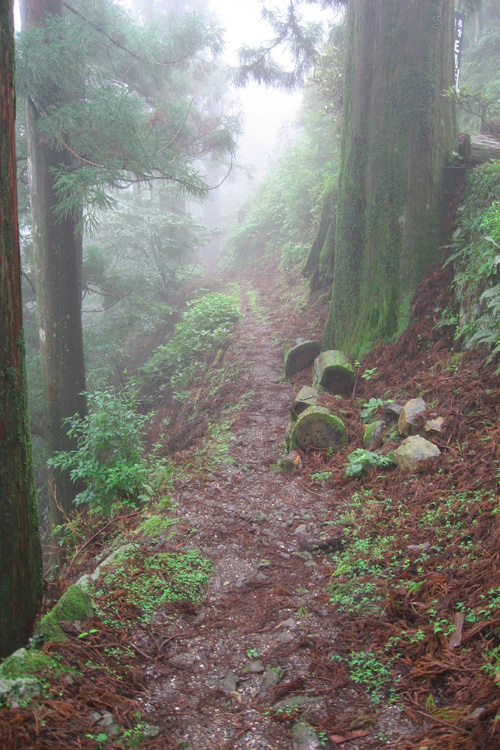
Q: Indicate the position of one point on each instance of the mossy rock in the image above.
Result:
(23, 663)
(317, 428)
(305, 398)
(74, 604)
(334, 372)
(372, 434)
(392, 435)
(301, 356)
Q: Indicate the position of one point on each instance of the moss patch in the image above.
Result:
(75, 604)
(318, 428)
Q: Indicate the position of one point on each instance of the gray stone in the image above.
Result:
(284, 637)
(413, 451)
(412, 417)
(434, 427)
(334, 372)
(293, 701)
(230, 682)
(372, 434)
(271, 678)
(256, 667)
(392, 411)
(300, 356)
(291, 462)
(151, 732)
(304, 737)
(20, 689)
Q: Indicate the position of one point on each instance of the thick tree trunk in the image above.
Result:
(398, 130)
(20, 556)
(57, 252)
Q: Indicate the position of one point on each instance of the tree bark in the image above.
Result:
(398, 130)
(58, 256)
(20, 555)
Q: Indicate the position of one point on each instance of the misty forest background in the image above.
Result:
(136, 221)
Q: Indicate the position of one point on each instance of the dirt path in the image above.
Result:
(257, 525)
(265, 631)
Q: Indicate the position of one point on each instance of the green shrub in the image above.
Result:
(109, 458)
(203, 327)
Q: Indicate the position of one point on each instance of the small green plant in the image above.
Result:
(370, 408)
(367, 670)
(145, 584)
(371, 374)
(109, 458)
(361, 461)
(252, 653)
(323, 477)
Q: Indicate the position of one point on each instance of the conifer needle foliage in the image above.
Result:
(131, 103)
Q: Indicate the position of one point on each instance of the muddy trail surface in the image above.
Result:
(245, 669)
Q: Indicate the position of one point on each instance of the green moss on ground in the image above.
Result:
(75, 604)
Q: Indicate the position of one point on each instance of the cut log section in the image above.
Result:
(478, 149)
(334, 372)
(318, 429)
(301, 356)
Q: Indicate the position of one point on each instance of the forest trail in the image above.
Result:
(265, 632)
(251, 521)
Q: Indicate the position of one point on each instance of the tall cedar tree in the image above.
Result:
(398, 131)
(107, 105)
(20, 556)
(57, 247)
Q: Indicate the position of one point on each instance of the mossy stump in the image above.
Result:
(334, 372)
(301, 356)
(318, 429)
(305, 398)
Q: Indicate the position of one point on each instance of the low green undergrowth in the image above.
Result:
(141, 586)
(476, 262)
(203, 327)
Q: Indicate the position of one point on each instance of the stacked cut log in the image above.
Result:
(478, 149)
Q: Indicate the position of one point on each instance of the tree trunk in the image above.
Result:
(321, 259)
(58, 253)
(398, 130)
(20, 556)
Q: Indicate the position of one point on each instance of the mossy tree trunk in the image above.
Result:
(398, 130)
(58, 256)
(20, 556)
